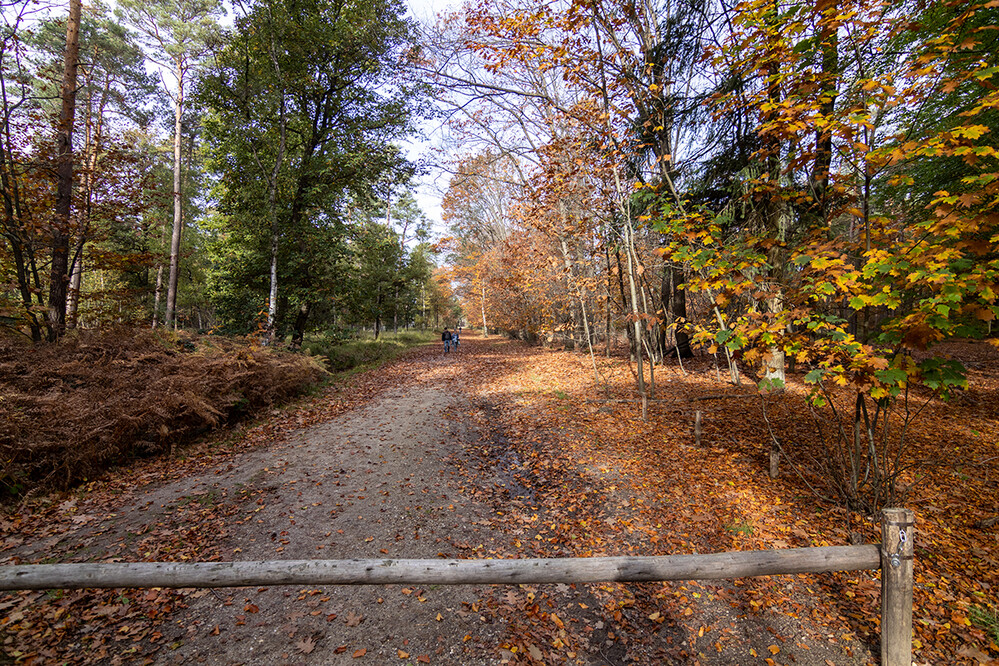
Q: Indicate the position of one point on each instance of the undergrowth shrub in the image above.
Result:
(74, 408)
(341, 356)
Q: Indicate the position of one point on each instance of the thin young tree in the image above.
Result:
(177, 34)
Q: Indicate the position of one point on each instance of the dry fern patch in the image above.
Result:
(95, 399)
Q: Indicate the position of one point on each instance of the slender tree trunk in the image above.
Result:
(272, 294)
(773, 362)
(272, 308)
(733, 368)
(178, 221)
(607, 306)
(634, 277)
(272, 297)
(73, 297)
(634, 311)
(676, 307)
(567, 263)
(94, 132)
(300, 321)
(625, 306)
(59, 273)
(779, 222)
(485, 327)
(829, 45)
(158, 293)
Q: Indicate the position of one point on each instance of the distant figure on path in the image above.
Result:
(446, 339)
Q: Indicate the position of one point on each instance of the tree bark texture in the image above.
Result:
(897, 548)
(178, 221)
(441, 572)
(59, 272)
(676, 307)
(300, 321)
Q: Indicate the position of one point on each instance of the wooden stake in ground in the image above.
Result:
(897, 535)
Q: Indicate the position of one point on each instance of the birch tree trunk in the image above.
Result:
(272, 203)
(170, 319)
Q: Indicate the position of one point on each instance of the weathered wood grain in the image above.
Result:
(440, 572)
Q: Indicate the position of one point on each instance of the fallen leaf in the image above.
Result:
(975, 654)
(306, 645)
(360, 653)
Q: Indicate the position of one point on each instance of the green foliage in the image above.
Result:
(986, 619)
(113, 80)
(304, 102)
(340, 356)
(742, 528)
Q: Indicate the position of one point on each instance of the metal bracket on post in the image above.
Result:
(897, 547)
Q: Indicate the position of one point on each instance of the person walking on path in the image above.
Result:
(446, 339)
(456, 338)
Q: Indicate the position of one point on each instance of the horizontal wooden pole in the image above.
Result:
(441, 572)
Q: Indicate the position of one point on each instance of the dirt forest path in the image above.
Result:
(373, 483)
(433, 456)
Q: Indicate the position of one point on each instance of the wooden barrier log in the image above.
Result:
(441, 572)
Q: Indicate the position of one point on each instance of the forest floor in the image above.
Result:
(502, 451)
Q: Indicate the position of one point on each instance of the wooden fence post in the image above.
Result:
(897, 537)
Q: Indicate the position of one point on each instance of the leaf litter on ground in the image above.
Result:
(568, 474)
